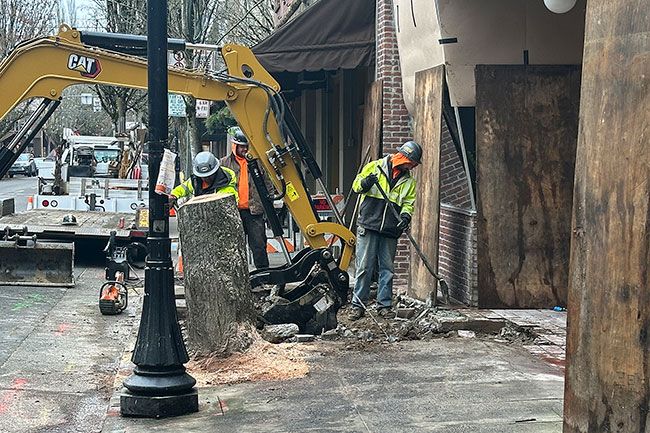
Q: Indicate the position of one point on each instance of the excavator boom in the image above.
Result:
(43, 68)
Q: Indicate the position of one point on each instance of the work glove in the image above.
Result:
(172, 201)
(368, 182)
(405, 221)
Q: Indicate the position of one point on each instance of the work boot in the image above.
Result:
(356, 313)
(386, 312)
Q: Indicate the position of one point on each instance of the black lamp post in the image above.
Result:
(159, 385)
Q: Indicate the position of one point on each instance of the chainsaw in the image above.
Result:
(113, 294)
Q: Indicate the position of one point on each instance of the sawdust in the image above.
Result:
(262, 361)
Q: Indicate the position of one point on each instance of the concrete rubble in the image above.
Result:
(279, 333)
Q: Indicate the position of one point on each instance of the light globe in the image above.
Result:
(560, 6)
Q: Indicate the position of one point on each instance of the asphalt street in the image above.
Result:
(58, 355)
(19, 188)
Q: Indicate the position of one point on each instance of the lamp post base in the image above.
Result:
(156, 406)
(153, 393)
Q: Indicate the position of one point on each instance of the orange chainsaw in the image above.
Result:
(113, 296)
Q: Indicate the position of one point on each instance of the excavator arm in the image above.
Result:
(43, 68)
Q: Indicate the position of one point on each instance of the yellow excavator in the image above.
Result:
(44, 67)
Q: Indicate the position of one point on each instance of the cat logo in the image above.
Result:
(88, 67)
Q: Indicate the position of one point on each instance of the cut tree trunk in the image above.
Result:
(220, 306)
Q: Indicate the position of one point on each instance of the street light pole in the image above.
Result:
(159, 385)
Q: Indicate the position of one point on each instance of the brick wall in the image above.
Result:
(402, 260)
(454, 189)
(457, 261)
(395, 129)
(395, 121)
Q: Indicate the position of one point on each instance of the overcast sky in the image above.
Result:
(85, 13)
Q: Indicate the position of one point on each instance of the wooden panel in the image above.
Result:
(608, 373)
(527, 127)
(424, 227)
(372, 115)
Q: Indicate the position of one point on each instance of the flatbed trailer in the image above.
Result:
(90, 225)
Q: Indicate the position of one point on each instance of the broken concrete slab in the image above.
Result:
(462, 333)
(405, 312)
(279, 333)
(304, 338)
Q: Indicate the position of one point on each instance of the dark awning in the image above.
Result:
(331, 34)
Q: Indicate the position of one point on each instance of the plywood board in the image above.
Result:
(526, 132)
(428, 130)
(372, 115)
(608, 350)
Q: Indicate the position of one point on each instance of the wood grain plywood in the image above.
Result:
(372, 115)
(424, 227)
(608, 351)
(527, 126)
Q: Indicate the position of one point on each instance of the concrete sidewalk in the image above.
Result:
(60, 362)
(58, 356)
(445, 385)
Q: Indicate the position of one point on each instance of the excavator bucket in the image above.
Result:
(36, 264)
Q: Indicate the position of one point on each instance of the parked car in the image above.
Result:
(24, 165)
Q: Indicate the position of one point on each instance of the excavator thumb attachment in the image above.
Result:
(25, 261)
(314, 302)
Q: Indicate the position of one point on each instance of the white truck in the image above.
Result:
(88, 200)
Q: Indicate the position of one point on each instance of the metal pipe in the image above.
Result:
(26, 127)
(202, 47)
(159, 352)
(285, 251)
(330, 202)
(465, 163)
(126, 43)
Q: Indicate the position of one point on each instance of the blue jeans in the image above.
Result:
(372, 248)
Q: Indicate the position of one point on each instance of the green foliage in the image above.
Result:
(220, 121)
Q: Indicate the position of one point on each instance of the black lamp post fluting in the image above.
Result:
(159, 385)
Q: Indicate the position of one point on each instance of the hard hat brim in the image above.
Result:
(207, 173)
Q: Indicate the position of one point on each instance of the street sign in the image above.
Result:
(97, 104)
(177, 59)
(175, 105)
(202, 109)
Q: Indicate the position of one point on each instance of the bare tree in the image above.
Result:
(212, 22)
(122, 16)
(196, 21)
(22, 20)
(73, 114)
(248, 22)
(67, 12)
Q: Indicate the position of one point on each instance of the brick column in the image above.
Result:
(395, 118)
(396, 128)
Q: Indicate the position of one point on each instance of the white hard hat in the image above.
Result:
(205, 164)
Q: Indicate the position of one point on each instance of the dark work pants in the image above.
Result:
(255, 230)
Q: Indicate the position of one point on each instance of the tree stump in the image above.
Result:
(220, 309)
